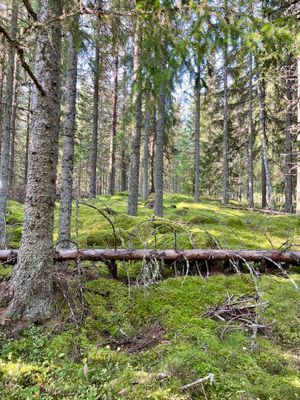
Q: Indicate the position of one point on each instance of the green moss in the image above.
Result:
(92, 360)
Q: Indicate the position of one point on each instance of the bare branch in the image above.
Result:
(30, 9)
(20, 52)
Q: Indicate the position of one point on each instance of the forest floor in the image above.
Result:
(155, 329)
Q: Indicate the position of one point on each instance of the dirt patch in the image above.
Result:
(151, 337)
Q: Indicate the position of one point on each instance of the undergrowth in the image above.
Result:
(130, 340)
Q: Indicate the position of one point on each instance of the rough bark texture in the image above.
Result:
(298, 140)
(112, 150)
(152, 152)
(134, 168)
(172, 255)
(197, 138)
(28, 121)
(262, 105)
(32, 278)
(263, 184)
(94, 144)
(64, 226)
(225, 198)
(250, 136)
(159, 154)
(124, 145)
(13, 127)
(7, 119)
(147, 129)
(288, 191)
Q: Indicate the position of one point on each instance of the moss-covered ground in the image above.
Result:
(204, 225)
(114, 340)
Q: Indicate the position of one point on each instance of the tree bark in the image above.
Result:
(288, 191)
(112, 150)
(250, 194)
(152, 153)
(159, 153)
(13, 127)
(123, 161)
(262, 98)
(197, 137)
(66, 190)
(134, 167)
(7, 119)
(225, 198)
(32, 278)
(298, 140)
(28, 120)
(292, 257)
(94, 144)
(147, 129)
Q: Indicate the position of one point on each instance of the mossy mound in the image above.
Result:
(226, 227)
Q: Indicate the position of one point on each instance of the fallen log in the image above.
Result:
(291, 257)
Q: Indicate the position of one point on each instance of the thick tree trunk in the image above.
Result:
(32, 278)
(112, 150)
(134, 168)
(298, 140)
(159, 154)
(250, 136)
(262, 96)
(197, 138)
(292, 257)
(94, 144)
(64, 225)
(225, 198)
(288, 191)
(7, 119)
(147, 129)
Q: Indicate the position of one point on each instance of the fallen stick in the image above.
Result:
(10, 256)
(209, 378)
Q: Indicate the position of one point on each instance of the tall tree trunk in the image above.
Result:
(147, 129)
(263, 184)
(94, 150)
(64, 225)
(250, 190)
(288, 191)
(298, 140)
(262, 99)
(13, 127)
(225, 198)
(134, 168)
(159, 156)
(7, 119)
(197, 137)
(27, 134)
(2, 74)
(152, 152)
(32, 281)
(112, 150)
(123, 160)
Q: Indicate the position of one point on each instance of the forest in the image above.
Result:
(149, 199)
